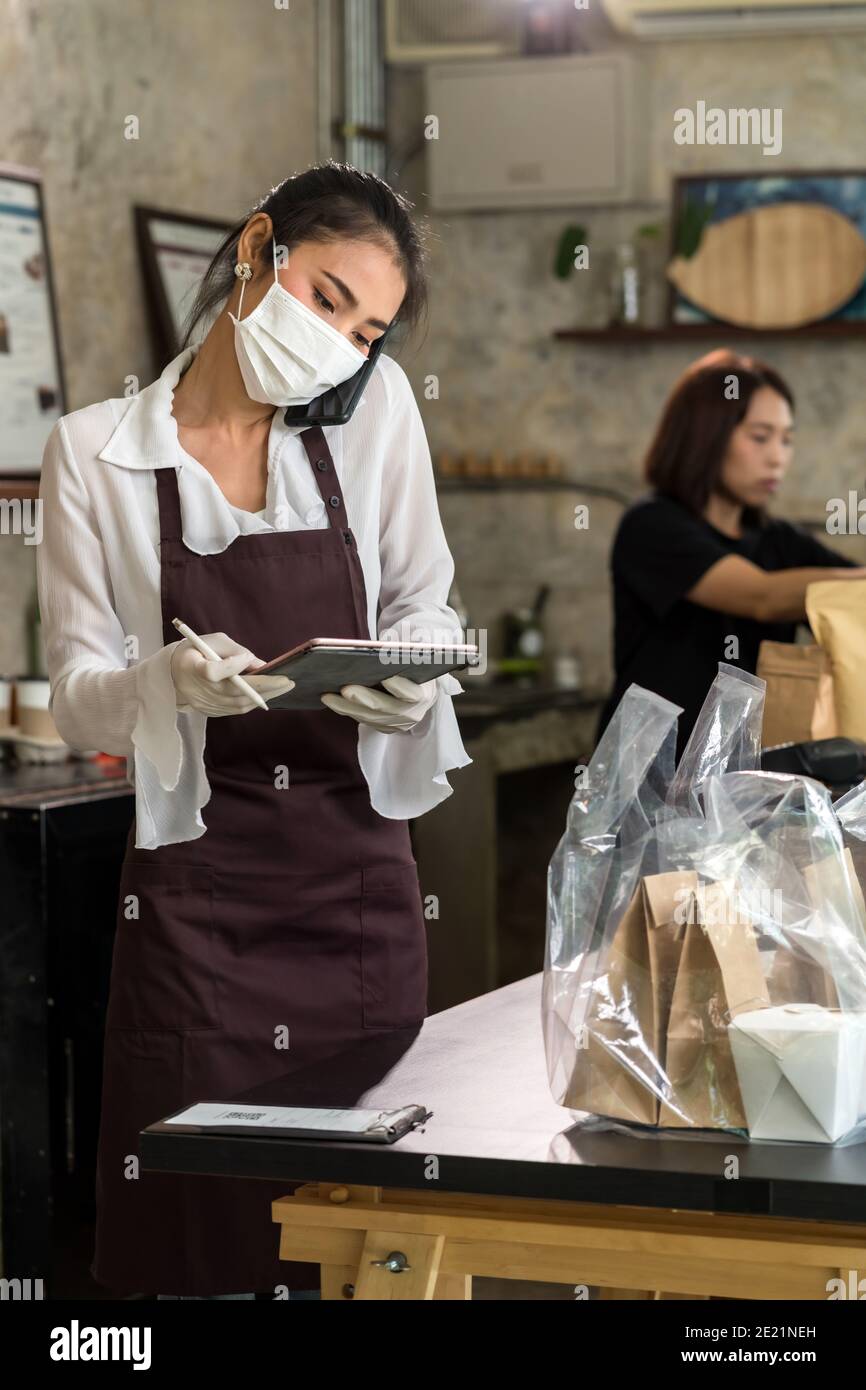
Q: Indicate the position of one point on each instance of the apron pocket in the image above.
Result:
(393, 948)
(162, 973)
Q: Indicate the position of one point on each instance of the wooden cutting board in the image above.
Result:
(774, 267)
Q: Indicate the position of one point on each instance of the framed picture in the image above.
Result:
(705, 199)
(175, 251)
(32, 391)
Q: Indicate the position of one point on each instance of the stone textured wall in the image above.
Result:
(225, 96)
(505, 384)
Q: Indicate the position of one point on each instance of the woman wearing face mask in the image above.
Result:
(699, 562)
(270, 910)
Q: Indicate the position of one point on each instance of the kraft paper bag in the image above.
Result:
(618, 1066)
(856, 848)
(720, 976)
(801, 978)
(836, 609)
(796, 978)
(799, 702)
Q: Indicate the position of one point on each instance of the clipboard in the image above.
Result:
(357, 1124)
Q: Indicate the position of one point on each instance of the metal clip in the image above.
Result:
(396, 1262)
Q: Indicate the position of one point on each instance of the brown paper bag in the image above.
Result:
(618, 1064)
(799, 703)
(836, 609)
(720, 975)
(795, 977)
(856, 849)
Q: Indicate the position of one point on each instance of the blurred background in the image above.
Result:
(537, 137)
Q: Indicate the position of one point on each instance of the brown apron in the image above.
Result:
(298, 913)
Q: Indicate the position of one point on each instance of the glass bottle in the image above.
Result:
(625, 286)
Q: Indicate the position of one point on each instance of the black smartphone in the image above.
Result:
(337, 405)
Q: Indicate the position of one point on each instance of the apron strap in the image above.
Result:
(325, 475)
(168, 496)
(324, 472)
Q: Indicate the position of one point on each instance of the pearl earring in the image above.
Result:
(243, 270)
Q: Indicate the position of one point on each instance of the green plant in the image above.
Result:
(690, 227)
(572, 237)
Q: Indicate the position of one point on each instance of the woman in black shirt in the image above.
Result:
(701, 573)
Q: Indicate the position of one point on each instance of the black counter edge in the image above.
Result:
(360, 1164)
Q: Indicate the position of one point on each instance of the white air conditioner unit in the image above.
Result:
(537, 132)
(688, 19)
(429, 31)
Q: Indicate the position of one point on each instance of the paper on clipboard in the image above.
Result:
(276, 1117)
(305, 1122)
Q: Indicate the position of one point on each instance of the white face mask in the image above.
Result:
(287, 354)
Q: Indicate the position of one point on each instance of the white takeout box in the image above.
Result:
(801, 1070)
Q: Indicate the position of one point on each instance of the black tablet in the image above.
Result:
(324, 664)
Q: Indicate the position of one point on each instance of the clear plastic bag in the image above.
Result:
(596, 863)
(851, 814)
(706, 962)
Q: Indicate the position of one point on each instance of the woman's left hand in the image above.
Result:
(397, 712)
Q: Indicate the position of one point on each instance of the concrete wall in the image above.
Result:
(505, 384)
(225, 96)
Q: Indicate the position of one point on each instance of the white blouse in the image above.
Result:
(99, 584)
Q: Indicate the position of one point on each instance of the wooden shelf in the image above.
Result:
(465, 483)
(461, 484)
(21, 487)
(703, 332)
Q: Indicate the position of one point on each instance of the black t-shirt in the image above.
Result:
(661, 640)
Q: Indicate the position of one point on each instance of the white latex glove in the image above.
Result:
(204, 685)
(397, 712)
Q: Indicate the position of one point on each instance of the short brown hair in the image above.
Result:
(684, 460)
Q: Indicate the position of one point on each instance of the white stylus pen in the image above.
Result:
(211, 655)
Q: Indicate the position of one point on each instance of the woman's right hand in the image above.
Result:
(206, 686)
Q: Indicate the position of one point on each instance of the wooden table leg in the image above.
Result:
(454, 1286)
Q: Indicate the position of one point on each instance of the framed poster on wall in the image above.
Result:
(175, 251)
(799, 200)
(32, 392)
